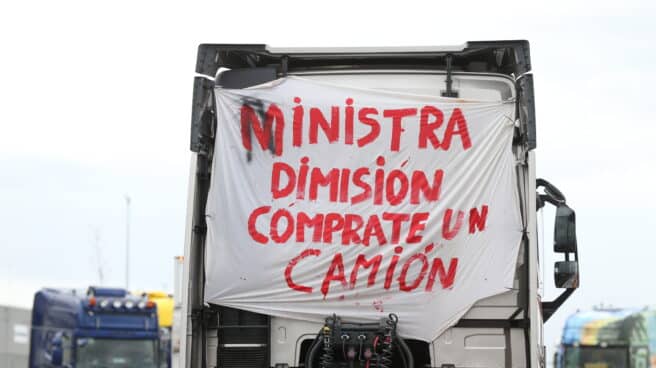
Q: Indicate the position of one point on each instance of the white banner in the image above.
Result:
(328, 199)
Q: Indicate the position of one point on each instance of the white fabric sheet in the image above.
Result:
(289, 216)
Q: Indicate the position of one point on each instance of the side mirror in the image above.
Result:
(565, 230)
(566, 274)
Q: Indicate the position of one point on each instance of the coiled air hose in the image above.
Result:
(324, 343)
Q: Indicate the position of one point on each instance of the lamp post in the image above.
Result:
(127, 242)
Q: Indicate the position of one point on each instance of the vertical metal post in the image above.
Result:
(127, 242)
(199, 231)
(534, 306)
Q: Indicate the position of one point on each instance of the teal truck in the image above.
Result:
(609, 338)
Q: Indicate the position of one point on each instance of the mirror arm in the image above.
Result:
(548, 308)
(551, 194)
(550, 189)
(547, 198)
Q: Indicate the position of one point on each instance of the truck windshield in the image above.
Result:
(115, 353)
(596, 357)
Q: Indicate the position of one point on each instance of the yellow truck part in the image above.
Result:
(164, 303)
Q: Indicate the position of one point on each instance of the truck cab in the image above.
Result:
(504, 330)
(102, 327)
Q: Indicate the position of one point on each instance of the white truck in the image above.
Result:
(238, 316)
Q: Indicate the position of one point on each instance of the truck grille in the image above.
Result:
(243, 339)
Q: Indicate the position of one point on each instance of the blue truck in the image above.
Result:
(104, 328)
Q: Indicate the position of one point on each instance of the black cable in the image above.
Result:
(318, 344)
(402, 344)
(402, 355)
(314, 342)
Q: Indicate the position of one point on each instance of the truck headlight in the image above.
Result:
(117, 304)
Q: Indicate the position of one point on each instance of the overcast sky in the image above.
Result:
(95, 104)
